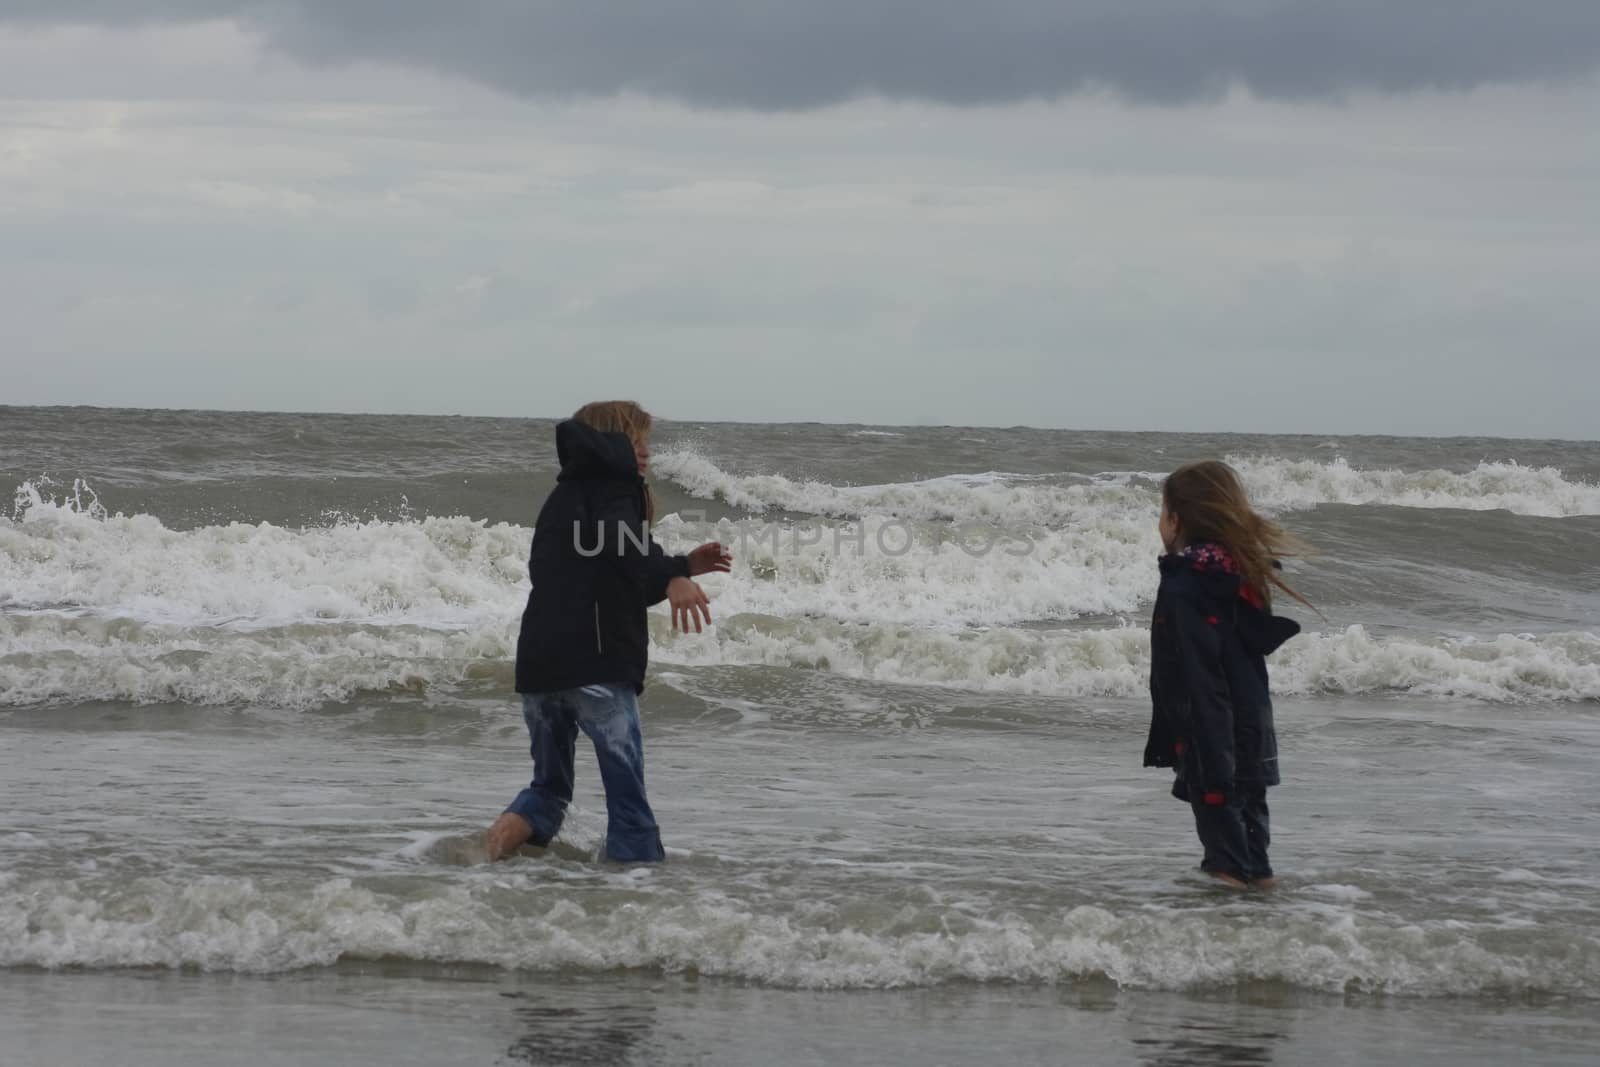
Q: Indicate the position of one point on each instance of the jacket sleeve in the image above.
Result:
(641, 557)
(1202, 688)
(660, 570)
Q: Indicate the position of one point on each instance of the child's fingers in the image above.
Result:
(693, 606)
(720, 558)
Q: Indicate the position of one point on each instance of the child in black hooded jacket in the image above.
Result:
(581, 655)
(1212, 630)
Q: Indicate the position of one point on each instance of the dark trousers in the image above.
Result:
(1235, 834)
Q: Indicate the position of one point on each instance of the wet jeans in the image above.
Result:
(609, 715)
(1235, 834)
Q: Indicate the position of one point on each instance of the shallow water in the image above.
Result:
(899, 838)
(247, 744)
(383, 1014)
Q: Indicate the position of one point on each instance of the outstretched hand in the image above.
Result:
(710, 557)
(689, 604)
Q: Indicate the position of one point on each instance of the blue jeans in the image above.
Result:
(609, 714)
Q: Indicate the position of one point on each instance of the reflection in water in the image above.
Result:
(588, 1035)
(1207, 1045)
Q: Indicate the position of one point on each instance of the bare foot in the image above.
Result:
(508, 833)
(1228, 880)
(1263, 883)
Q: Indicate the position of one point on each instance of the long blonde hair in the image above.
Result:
(1209, 502)
(624, 417)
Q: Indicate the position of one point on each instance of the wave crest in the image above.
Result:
(1274, 484)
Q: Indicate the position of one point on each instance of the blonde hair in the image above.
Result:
(1209, 502)
(624, 417)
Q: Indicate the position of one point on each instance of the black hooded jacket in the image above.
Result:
(1208, 677)
(594, 569)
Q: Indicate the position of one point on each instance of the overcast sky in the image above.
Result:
(1254, 215)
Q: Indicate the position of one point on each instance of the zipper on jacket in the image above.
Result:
(598, 647)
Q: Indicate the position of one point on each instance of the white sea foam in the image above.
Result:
(239, 924)
(432, 572)
(100, 607)
(457, 572)
(1115, 662)
(988, 497)
(930, 574)
(1274, 484)
(57, 659)
(1542, 491)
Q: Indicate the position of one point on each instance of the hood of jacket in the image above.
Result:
(585, 452)
(1212, 575)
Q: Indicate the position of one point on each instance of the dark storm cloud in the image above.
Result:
(771, 55)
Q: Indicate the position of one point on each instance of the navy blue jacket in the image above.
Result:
(594, 569)
(1209, 641)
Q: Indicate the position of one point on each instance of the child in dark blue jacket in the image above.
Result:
(1212, 630)
(584, 643)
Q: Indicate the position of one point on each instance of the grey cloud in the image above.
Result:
(733, 303)
(391, 298)
(797, 54)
